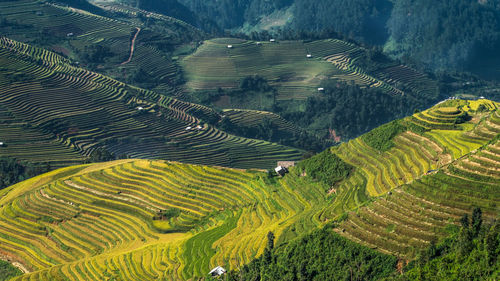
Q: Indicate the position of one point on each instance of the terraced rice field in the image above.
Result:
(94, 222)
(283, 64)
(71, 111)
(254, 118)
(287, 67)
(100, 221)
(419, 207)
(75, 33)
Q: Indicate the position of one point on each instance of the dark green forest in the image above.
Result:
(471, 252)
(326, 167)
(7, 271)
(352, 110)
(321, 255)
(13, 171)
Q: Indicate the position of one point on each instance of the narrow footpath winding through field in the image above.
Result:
(132, 46)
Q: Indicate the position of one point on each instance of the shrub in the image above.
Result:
(326, 167)
(381, 137)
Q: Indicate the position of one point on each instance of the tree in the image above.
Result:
(101, 155)
(270, 240)
(477, 220)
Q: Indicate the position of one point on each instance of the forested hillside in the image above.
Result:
(446, 35)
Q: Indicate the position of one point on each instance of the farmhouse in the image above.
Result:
(218, 271)
(280, 170)
(188, 128)
(321, 89)
(229, 46)
(140, 108)
(272, 40)
(1, 144)
(309, 56)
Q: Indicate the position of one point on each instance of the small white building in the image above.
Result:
(188, 128)
(70, 34)
(199, 127)
(218, 271)
(321, 89)
(140, 108)
(280, 170)
(229, 46)
(1, 144)
(258, 43)
(272, 40)
(309, 56)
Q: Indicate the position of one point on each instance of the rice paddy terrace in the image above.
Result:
(155, 220)
(254, 118)
(148, 220)
(50, 107)
(296, 68)
(435, 177)
(100, 41)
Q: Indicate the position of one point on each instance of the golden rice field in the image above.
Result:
(104, 221)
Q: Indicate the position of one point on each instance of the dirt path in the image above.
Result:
(132, 46)
(19, 265)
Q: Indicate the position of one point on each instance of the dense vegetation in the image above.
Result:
(326, 167)
(451, 35)
(352, 110)
(321, 255)
(381, 137)
(446, 34)
(472, 253)
(469, 253)
(7, 271)
(13, 171)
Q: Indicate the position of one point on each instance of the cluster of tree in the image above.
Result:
(228, 14)
(381, 137)
(326, 167)
(446, 34)
(352, 110)
(255, 83)
(13, 171)
(268, 130)
(361, 19)
(167, 214)
(8, 271)
(97, 53)
(321, 255)
(101, 155)
(471, 254)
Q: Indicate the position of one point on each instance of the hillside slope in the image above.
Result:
(49, 106)
(103, 43)
(348, 86)
(147, 220)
